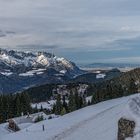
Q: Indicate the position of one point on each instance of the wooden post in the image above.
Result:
(43, 127)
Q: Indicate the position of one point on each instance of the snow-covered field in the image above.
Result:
(32, 72)
(44, 105)
(49, 104)
(96, 122)
(100, 76)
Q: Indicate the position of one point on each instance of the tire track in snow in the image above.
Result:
(73, 128)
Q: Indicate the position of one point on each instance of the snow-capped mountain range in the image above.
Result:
(19, 70)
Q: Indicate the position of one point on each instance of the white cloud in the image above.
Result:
(126, 28)
(87, 25)
(131, 59)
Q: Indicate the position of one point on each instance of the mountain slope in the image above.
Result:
(96, 77)
(21, 70)
(94, 122)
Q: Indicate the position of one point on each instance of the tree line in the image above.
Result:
(14, 105)
(114, 89)
(75, 101)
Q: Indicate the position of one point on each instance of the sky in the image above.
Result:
(83, 31)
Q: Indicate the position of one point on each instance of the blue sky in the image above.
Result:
(84, 31)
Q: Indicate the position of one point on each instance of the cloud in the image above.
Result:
(68, 26)
(131, 59)
(34, 47)
(126, 28)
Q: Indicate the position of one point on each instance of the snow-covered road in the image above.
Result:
(96, 127)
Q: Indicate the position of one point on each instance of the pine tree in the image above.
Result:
(89, 103)
(81, 101)
(77, 100)
(53, 110)
(5, 108)
(58, 106)
(63, 111)
(35, 109)
(72, 104)
(1, 109)
(25, 103)
(84, 102)
(132, 87)
(17, 106)
(41, 108)
(65, 105)
(11, 113)
(95, 97)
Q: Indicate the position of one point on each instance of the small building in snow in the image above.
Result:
(14, 123)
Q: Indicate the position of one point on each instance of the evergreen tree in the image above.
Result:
(65, 105)
(81, 101)
(41, 108)
(77, 100)
(84, 101)
(11, 113)
(25, 103)
(72, 104)
(95, 97)
(58, 106)
(35, 109)
(53, 110)
(17, 106)
(1, 109)
(132, 87)
(63, 111)
(5, 107)
(89, 103)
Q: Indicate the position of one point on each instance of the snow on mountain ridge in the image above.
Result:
(42, 59)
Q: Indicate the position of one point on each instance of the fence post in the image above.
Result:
(43, 127)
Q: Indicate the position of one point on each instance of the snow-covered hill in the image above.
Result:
(20, 70)
(96, 122)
